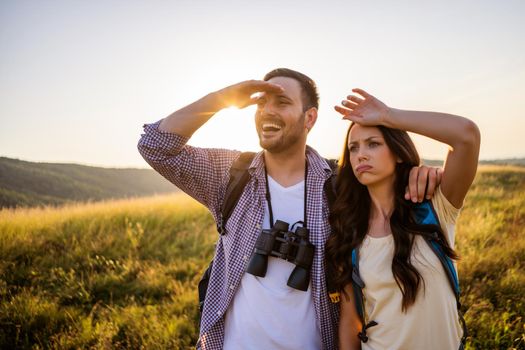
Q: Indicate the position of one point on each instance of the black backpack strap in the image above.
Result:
(239, 177)
(330, 191)
(331, 183)
(203, 285)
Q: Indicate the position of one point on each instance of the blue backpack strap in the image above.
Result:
(358, 285)
(426, 215)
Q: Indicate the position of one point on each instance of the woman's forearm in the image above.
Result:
(461, 134)
(447, 128)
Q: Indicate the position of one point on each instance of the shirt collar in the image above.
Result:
(316, 164)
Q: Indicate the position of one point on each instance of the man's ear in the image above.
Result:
(310, 117)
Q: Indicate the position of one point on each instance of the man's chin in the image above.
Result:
(272, 146)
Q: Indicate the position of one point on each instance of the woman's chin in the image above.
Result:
(365, 179)
(370, 180)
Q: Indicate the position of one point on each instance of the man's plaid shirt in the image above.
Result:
(203, 173)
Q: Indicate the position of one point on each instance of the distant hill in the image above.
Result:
(508, 161)
(31, 184)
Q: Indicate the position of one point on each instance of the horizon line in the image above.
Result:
(124, 167)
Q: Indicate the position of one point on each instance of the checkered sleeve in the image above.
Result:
(199, 172)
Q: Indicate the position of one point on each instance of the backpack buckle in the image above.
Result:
(335, 297)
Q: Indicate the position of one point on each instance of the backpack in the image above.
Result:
(239, 177)
(425, 215)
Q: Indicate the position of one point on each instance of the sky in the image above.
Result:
(78, 79)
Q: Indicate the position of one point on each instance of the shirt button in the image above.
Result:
(245, 257)
(218, 313)
(258, 226)
(232, 287)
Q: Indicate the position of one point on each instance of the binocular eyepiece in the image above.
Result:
(291, 246)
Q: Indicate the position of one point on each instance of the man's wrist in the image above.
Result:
(215, 101)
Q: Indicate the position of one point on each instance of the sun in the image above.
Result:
(231, 128)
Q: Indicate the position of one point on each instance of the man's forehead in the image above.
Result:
(291, 87)
(273, 94)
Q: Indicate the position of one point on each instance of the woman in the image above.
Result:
(408, 301)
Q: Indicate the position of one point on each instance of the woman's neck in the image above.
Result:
(381, 208)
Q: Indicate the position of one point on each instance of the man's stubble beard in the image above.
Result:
(285, 141)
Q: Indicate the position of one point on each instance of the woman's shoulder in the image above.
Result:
(445, 210)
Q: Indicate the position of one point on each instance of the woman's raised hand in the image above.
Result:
(363, 108)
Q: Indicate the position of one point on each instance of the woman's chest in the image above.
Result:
(376, 256)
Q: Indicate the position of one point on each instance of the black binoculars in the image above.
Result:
(291, 246)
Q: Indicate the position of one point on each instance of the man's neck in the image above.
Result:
(286, 168)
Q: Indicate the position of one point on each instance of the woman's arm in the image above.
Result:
(349, 322)
(461, 134)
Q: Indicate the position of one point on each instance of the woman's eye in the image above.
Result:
(353, 149)
(373, 144)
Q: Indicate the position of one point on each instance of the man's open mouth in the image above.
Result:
(270, 127)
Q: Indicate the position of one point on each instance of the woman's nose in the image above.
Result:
(361, 155)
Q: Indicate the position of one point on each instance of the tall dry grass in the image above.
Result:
(118, 274)
(123, 274)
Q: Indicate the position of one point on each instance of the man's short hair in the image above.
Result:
(310, 96)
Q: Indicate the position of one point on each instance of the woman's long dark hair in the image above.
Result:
(350, 215)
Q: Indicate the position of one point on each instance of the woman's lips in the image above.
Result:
(362, 168)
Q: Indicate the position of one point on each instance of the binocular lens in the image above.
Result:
(290, 246)
(258, 264)
(299, 279)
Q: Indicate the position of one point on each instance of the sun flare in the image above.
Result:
(231, 128)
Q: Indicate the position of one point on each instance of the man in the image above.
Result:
(242, 311)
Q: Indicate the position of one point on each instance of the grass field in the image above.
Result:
(123, 274)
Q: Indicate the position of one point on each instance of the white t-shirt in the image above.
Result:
(432, 321)
(265, 313)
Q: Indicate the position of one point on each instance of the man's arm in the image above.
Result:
(197, 171)
(461, 134)
(189, 119)
(422, 183)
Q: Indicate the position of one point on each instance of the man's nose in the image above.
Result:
(268, 108)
